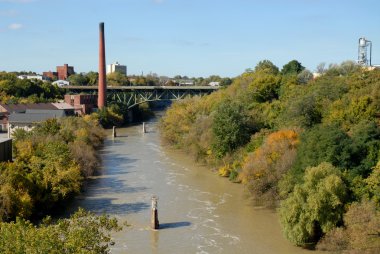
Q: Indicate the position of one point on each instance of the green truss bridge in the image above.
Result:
(134, 95)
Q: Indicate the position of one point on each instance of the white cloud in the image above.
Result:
(15, 26)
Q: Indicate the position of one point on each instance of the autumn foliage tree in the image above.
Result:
(263, 168)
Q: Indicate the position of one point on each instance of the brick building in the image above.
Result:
(65, 71)
(82, 103)
(50, 74)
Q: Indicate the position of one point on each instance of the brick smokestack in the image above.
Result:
(102, 86)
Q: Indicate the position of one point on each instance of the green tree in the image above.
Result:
(323, 143)
(78, 80)
(314, 207)
(117, 79)
(292, 68)
(266, 66)
(264, 87)
(83, 233)
(92, 78)
(231, 128)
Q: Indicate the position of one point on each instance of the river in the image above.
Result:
(198, 211)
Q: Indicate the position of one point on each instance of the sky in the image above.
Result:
(197, 38)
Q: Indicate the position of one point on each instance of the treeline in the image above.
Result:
(309, 146)
(14, 90)
(83, 233)
(50, 164)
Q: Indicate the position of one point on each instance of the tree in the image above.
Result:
(78, 80)
(314, 207)
(321, 68)
(292, 68)
(83, 233)
(225, 82)
(263, 168)
(92, 78)
(323, 144)
(230, 128)
(266, 66)
(360, 233)
(117, 79)
(304, 76)
(264, 86)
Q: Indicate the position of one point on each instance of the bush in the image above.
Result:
(314, 207)
(263, 168)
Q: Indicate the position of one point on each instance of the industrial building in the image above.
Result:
(116, 67)
(31, 108)
(62, 73)
(65, 71)
(82, 103)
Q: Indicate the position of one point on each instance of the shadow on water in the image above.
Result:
(105, 205)
(179, 224)
(116, 164)
(106, 185)
(114, 139)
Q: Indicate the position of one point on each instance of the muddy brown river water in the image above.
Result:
(199, 212)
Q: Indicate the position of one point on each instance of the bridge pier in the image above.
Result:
(114, 131)
(154, 214)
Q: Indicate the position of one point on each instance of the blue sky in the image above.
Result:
(185, 37)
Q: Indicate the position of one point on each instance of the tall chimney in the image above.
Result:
(102, 86)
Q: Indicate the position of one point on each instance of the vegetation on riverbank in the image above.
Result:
(82, 233)
(50, 164)
(308, 146)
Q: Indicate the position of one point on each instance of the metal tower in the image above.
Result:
(363, 52)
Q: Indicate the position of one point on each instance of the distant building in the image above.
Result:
(31, 118)
(116, 67)
(214, 83)
(65, 71)
(37, 77)
(184, 82)
(66, 107)
(61, 83)
(50, 74)
(83, 103)
(6, 110)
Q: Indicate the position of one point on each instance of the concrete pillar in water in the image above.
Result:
(154, 216)
(144, 129)
(114, 131)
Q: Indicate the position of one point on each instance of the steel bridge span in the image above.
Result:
(134, 95)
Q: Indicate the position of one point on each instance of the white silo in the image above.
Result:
(363, 52)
